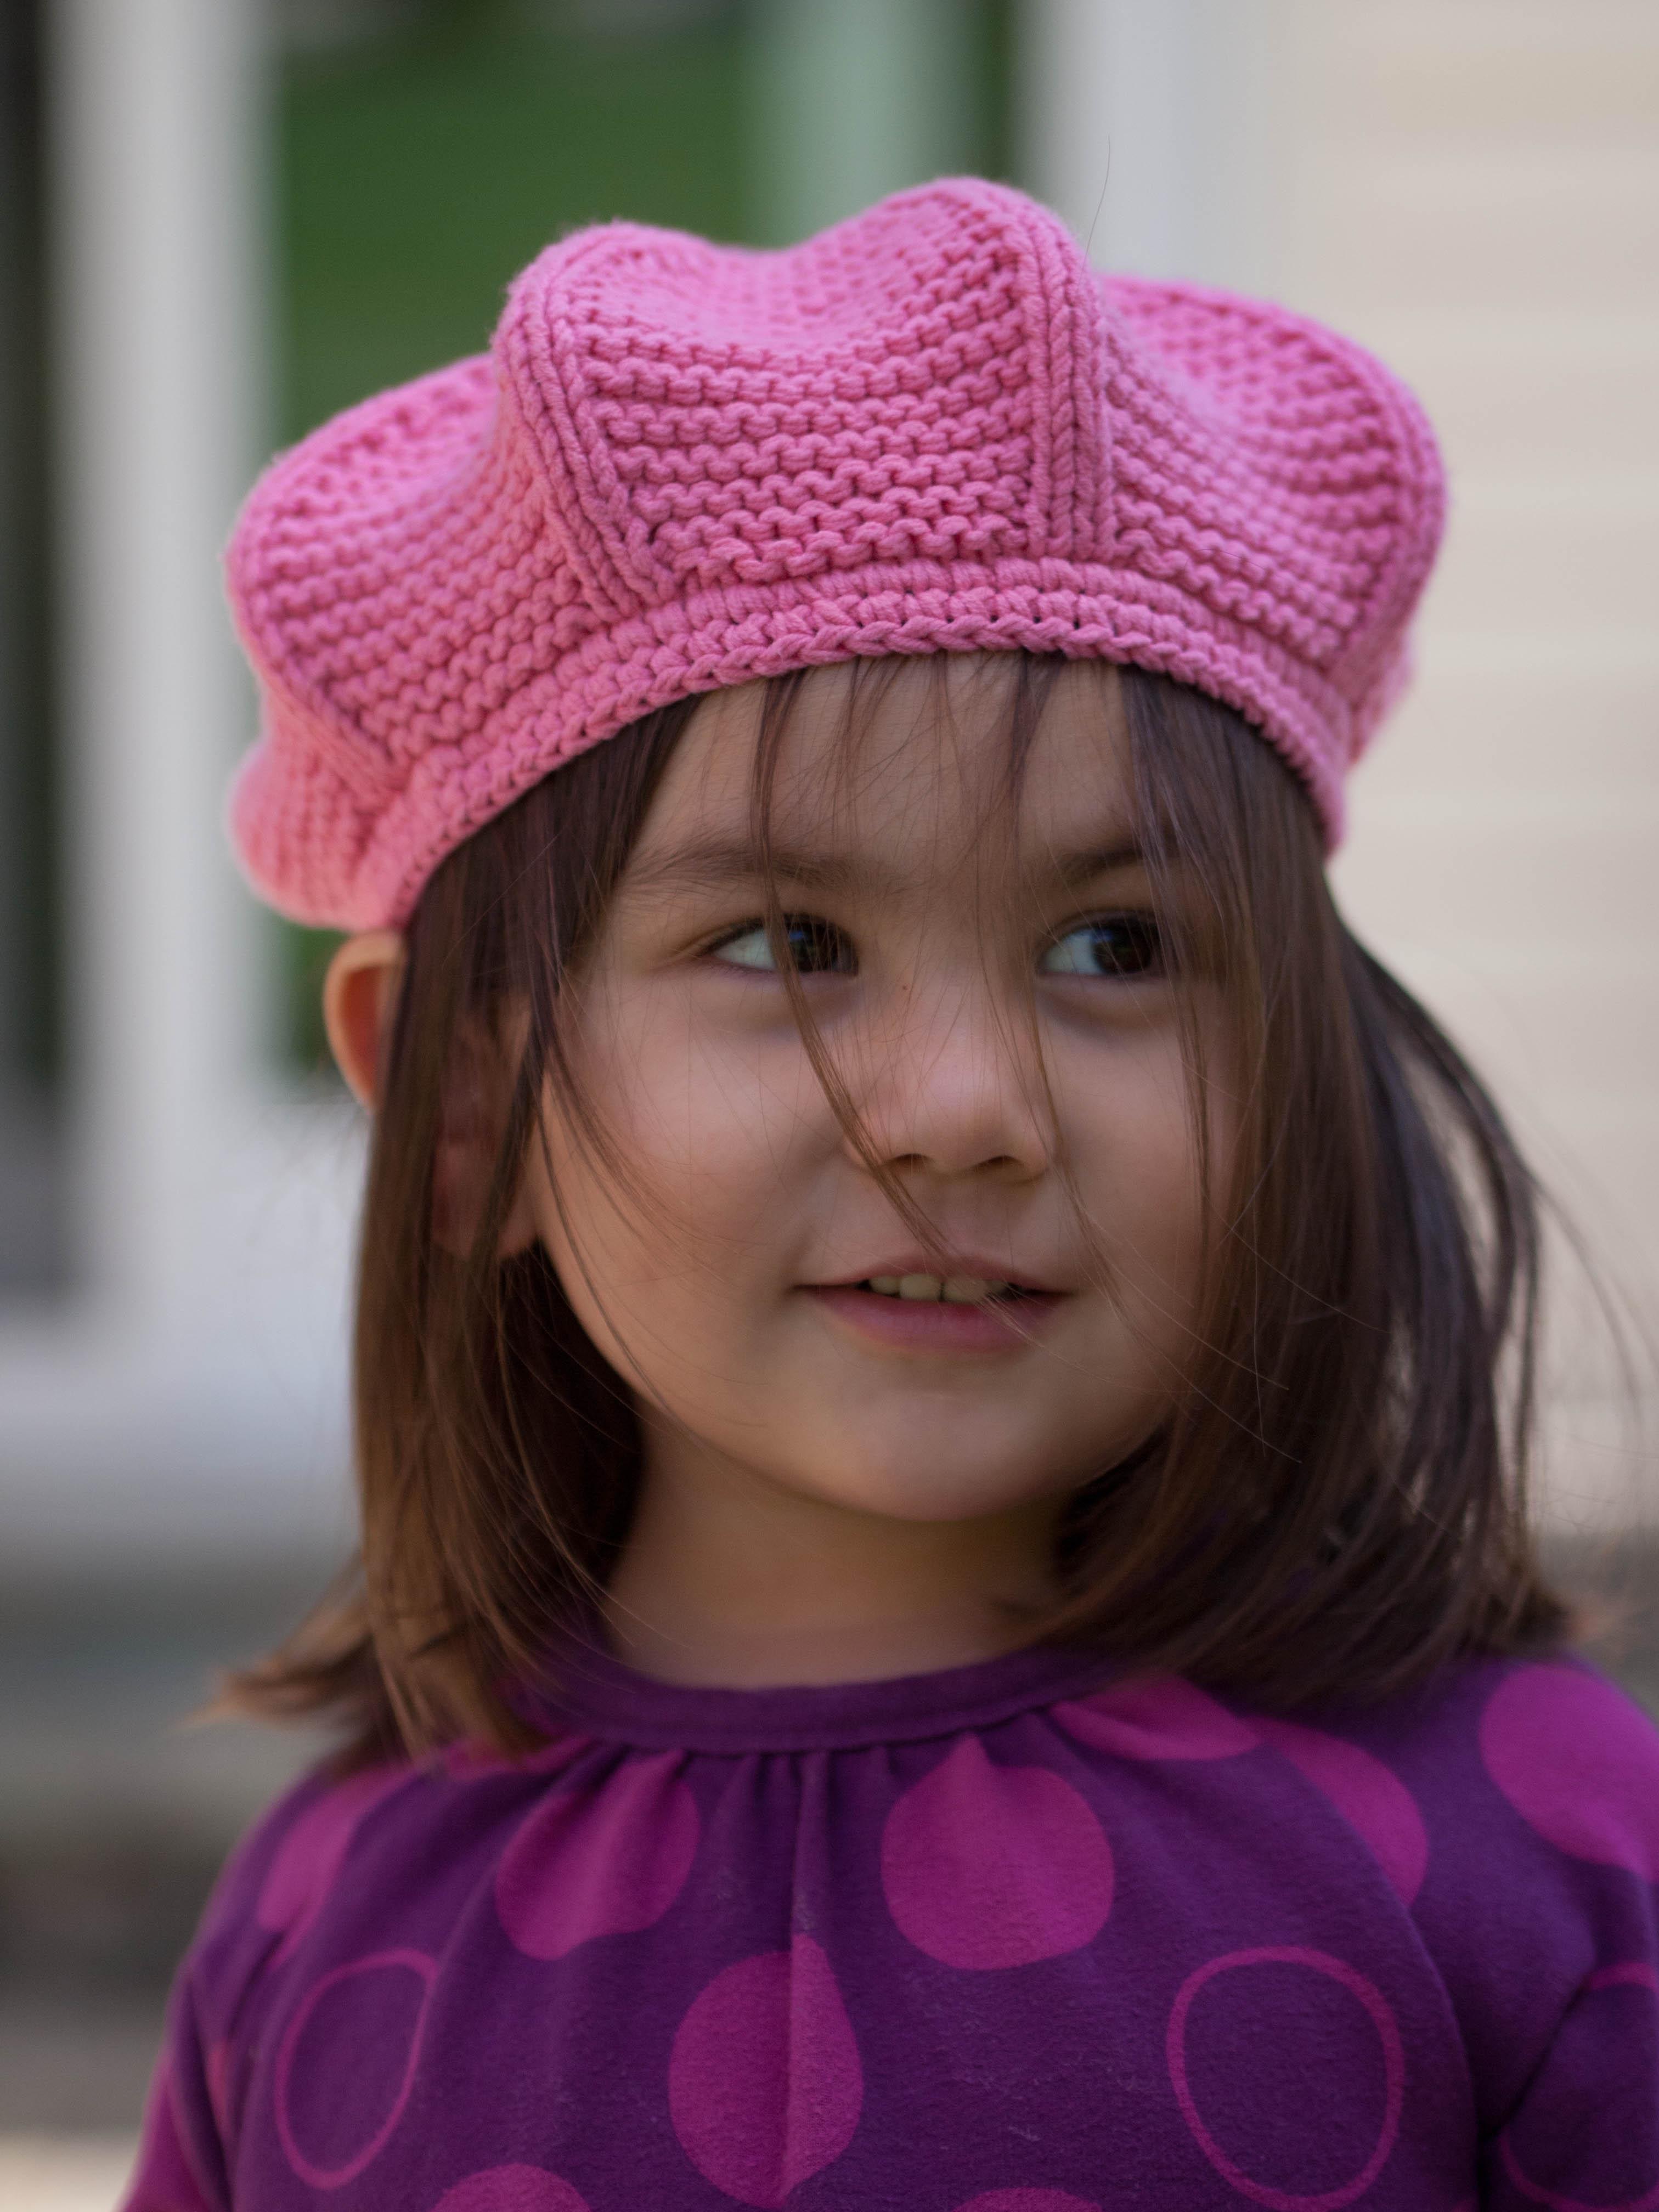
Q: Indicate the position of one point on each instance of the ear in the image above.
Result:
(360, 992)
(359, 996)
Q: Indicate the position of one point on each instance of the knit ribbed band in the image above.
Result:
(932, 428)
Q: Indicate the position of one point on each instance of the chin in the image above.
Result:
(944, 1491)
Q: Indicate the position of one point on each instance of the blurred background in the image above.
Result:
(221, 221)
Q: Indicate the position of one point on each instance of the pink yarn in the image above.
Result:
(932, 428)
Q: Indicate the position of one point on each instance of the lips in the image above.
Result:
(905, 1307)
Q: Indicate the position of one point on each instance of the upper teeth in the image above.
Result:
(958, 1289)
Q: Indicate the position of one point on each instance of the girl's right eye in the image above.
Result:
(815, 947)
(1113, 945)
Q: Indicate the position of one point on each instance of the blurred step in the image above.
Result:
(63, 2173)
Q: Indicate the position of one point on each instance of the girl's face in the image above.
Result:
(991, 996)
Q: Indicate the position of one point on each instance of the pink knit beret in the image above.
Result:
(932, 428)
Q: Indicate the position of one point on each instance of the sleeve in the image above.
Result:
(181, 2164)
(1576, 1766)
(186, 2149)
(269, 1892)
(1586, 2128)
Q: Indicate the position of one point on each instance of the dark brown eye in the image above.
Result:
(812, 946)
(1112, 944)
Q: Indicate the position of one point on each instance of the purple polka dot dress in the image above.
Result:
(1013, 1938)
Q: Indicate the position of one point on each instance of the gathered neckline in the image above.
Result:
(587, 1688)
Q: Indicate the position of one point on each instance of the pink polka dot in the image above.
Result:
(346, 2065)
(1579, 1764)
(1574, 2125)
(310, 1855)
(1371, 1797)
(988, 1866)
(605, 1861)
(1239, 2015)
(1156, 1716)
(764, 2083)
(1028, 2200)
(512, 2189)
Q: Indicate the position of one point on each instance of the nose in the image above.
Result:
(953, 1087)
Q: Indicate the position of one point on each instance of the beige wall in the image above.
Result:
(1473, 187)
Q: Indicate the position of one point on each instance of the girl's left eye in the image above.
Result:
(812, 945)
(1112, 944)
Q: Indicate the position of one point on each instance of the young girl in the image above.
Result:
(943, 1359)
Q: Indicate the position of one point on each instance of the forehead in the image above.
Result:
(905, 762)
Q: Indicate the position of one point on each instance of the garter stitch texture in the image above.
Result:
(932, 428)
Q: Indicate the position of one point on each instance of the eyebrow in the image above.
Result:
(711, 864)
(1078, 867)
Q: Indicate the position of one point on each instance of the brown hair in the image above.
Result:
(1336, 1503)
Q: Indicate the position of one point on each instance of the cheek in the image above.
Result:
(697, 1154)
(1134, 1151)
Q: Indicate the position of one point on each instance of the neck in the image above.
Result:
(729, 1579)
